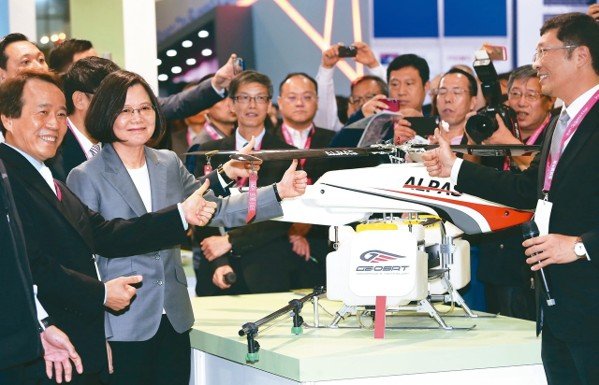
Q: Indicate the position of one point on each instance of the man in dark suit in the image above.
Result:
(61, 234)
(564, 187)
(81, 81)
(298, 102)
(20, 336)
(259, 253)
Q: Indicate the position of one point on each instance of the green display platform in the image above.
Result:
(334, 354)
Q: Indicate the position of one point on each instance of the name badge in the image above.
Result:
(542, 215)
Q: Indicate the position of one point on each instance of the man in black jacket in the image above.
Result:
(565, 189)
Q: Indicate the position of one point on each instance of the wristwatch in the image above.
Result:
(580, 250)
(224, 175)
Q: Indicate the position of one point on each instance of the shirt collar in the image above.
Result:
(84, 142)
(44, 171)
(574, 108)
(240, 140)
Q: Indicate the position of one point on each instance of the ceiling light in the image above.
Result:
(206, 52)
(186, 43)
(44, 39)
(171, 53)
(54, 37)
(190, 61)
(176, 70)
(158, 62)
(162, 77)
(203, 34)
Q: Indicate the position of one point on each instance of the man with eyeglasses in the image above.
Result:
(259, 253)
(563, 185)
(456, 97)
(509, 285)
(298, 104)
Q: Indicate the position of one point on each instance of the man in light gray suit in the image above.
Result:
(150, 340)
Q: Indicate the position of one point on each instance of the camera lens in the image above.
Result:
(481, 126)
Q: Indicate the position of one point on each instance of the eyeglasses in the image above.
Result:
(361, 99)
(306, 98)
(529, 96)
(457, 92)
(145, 110)
(541, 52)
(245, 99)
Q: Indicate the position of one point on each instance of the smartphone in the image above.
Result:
(423, 125)
(496, 52)
(347, 51)
(392, 104)
(238, 66)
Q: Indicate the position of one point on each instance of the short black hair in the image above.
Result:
(294, 74)
(85, 76)
(5, 42)
(472, 83)
(108, 102)
(384, 88)
(576, 29)
(61, 57)
(247, 77)
(11, 91)
(410, 60)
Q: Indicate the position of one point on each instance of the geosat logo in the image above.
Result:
(374, 257)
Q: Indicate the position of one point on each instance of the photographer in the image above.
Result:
(509, 285)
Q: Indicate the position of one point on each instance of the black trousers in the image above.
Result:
(569, 363)
(164, 359)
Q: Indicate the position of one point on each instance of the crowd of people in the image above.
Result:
(99, 196)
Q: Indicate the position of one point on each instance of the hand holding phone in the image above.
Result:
(392, 104)
(238, 66)
(347, 51)
(423, 125)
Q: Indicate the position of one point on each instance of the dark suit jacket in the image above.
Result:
(263, 246)
(61, 237)
(315, 167)
(310, 274)
(178, 106)
(19, 334)
(575, 198)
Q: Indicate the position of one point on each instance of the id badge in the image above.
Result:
(542, 215)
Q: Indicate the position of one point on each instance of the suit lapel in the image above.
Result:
(544, 153)
(579, 140)
(116, 174)
(29, 174)
(157, 171)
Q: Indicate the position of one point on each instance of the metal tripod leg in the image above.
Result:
(340, 315)
(426, 306)
(457, 298)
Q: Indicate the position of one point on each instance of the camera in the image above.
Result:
(482, 125)
(347, 51)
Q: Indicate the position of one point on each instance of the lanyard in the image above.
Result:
(570, 130)
(530, 141)
(242, 181)
(211, 131)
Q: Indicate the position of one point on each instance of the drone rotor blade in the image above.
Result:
(487, 150)
(266, 155)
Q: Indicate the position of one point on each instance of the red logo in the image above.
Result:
(378, 256)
